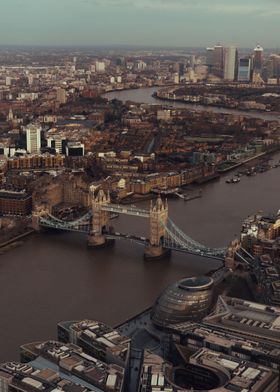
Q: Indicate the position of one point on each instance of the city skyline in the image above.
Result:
(127, 22)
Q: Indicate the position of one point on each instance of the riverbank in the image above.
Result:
(124, 89)
(227, 169)
(145, 95)
(213, 105)
(248, 160)
(16, 238)
(138, 198)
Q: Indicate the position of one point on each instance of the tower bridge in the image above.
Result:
(164, 234)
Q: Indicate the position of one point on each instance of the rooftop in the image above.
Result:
(95, 333)
(249, 318)
(197, 283)
(71, 362)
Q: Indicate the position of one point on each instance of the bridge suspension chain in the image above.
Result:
(82, 220)
(186, 239)
(177, 238)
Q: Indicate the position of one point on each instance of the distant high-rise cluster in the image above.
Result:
(225, 62)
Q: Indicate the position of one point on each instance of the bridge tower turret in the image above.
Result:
(100, 220)
(158, 221)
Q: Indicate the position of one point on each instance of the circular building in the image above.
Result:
(186, 300)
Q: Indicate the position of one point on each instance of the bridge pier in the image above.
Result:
(158, 221)
(156, 253)
(98, 242)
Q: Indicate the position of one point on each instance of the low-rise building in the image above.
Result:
(15, 202)
(19, 377)
(71, 360)
(96, 339)
(34, 161)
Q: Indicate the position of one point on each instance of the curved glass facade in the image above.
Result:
(186, 300)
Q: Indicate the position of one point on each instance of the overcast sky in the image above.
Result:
(182, 23)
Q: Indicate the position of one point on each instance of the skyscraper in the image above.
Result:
(218, 60)
(273, 66)
(258, 58)
(230, 58)
(33, 138)
(210, 58)
(182, 69)
(244, 70)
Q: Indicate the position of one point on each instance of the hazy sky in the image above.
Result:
(140, 22)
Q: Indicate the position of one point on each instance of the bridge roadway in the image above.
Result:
(118, 209)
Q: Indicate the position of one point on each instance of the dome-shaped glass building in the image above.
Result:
(186, 300)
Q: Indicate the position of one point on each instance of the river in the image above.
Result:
(145, 95)
(54, 277)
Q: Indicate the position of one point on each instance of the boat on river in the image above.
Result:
(233, 180)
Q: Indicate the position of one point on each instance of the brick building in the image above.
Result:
(14, 202)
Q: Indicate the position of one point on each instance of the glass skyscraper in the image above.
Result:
(244, 70)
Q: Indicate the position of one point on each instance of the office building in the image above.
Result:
(33, 138)
(75, 149)
(210, 58)
(194, 336)
(141, 65)
(61, 97)
(273, 67)
(244, 70)
(97, 339)
(19, 377)
(8, 81)
(58, 143)
(247, 318)
(258, 58)
(235, 374)
(230, 58)
(218, 60)
(71, 362)
(182, 69)
(206, 370)
(100, 66)
(164, 115)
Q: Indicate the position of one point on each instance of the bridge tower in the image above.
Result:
(36, 215)
(158, 221)
(234, 247)
(100, 220)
